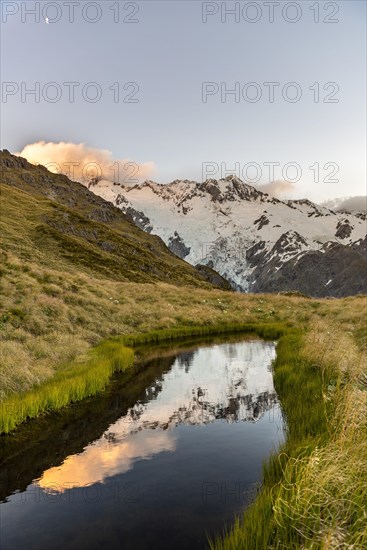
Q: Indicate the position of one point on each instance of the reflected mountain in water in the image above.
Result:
(207, 385)
(227, 382)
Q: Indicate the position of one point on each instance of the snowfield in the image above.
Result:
(218, 222)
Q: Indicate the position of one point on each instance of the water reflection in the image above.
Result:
(166, 456)
(227, 382)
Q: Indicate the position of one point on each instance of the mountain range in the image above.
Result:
(257, 242)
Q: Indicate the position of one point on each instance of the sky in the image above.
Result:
(163, 72)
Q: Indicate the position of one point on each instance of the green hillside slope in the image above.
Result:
(50, 219)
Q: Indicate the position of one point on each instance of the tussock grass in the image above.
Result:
(267, 331)
(49, 316)
(72, 383)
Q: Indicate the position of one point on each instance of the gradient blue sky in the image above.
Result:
(169, 53)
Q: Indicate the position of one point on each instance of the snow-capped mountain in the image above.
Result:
(257, 242)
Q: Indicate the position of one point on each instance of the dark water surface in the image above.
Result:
(159, 461)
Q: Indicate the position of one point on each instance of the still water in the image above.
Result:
(160, 461)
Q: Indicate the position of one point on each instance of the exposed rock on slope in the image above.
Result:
(333, 270)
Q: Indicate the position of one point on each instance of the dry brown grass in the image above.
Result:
(324, 495)
(48, 317)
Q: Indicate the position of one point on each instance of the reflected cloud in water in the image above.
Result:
(227, 382)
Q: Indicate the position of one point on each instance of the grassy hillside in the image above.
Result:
(54, 221)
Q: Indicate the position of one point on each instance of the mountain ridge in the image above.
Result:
(219, 222)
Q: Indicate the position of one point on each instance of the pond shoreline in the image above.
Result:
(299, 386)
(91, 374)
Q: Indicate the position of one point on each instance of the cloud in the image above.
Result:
(104, 459)
(277, 188)
(349, 204)
(82, 163)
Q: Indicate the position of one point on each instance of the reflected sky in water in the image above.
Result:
(230, 382)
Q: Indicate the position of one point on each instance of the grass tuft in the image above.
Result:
(72, 383)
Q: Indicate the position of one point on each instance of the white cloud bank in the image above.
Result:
(349, 204)
(82, 163)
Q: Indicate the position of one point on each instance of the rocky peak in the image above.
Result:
(289, 242)
(11, 161)
(312, 208)
(230, 188)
